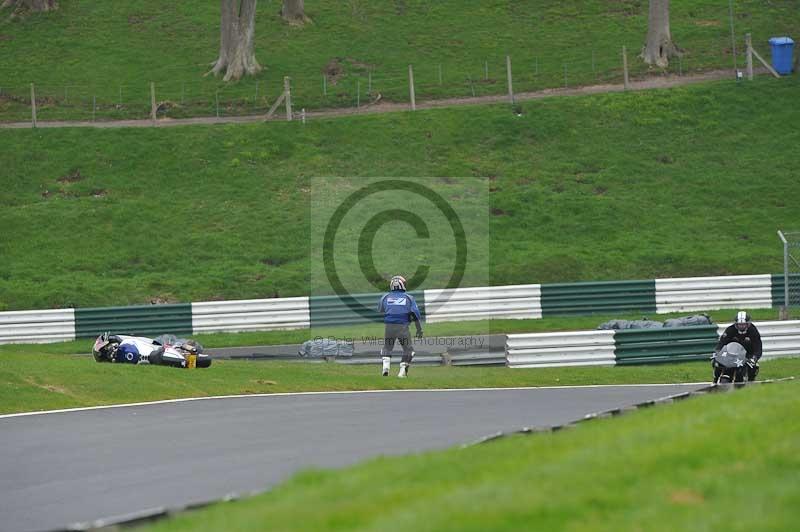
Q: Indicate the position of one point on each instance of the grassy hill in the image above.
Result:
(691, 181)
(111, 51)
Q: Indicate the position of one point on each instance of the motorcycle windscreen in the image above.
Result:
(732, 355)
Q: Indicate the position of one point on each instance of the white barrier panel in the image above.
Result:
(37, 326)
(712, 293)
(778, 338)
(251, 315)
(484, 303)
(580, 348)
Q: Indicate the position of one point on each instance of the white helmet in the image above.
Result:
(398, 282)
(742, 321)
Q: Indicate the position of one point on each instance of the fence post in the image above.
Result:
(33, 105)
(255, 101)
(510, 86)
(66, 95)
(472, 86)
(411, 87)
(749, 43)
(153, 102)
(486, 70)
(358, 92)
(324, 85)
(94, 106)
(565, 75)
(216, 99)
(120, 95)
(440, 73)
(287, 90)
(303, 115)
(625, 68)
(369, 81)
(784, 312)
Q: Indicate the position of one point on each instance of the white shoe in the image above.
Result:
(387, 361)
(403, 370)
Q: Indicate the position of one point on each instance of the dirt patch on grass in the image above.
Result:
(49, 387)
(686, 497)
(333, 71)
(73, 176)
(498, 212)
(337, 68)
(706, 23)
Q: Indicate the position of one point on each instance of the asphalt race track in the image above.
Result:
(77, 466)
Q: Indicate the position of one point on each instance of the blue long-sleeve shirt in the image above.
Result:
(399, 307)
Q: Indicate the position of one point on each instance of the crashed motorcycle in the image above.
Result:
(731, 364)
(164, 350)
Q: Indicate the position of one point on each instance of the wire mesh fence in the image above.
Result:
(353, 86)
(789, 294)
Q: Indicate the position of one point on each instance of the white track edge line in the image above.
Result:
(339, 392)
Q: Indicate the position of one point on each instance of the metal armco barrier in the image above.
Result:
(327, 311)
(251, 315)
(640, 346)
(669, 344)
(498, 302)
(37, 326)
(150, 320)
(582, 348)
(778, 292)
(711, 293)
(596, 298)
(483, 303)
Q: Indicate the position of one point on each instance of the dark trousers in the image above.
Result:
(397, 332)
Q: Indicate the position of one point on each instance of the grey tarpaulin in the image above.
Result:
(631, 324)
(689, 321)
(326, 347)
(686, 321)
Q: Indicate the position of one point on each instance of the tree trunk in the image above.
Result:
(659, 46)
(32, 5)
(237, 29)
(294, 11)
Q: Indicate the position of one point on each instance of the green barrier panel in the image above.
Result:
(669, 344)
(327, 311)
(149, 320)
(598, 298)
(778, 292)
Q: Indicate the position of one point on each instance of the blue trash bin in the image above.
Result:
(782, 48)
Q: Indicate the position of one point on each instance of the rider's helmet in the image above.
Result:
(742, 321)
(398, 282)
(103, 349)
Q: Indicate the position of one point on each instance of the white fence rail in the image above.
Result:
(712, 293)
(251, 315)
(779, 338)
(483, 303)
(581, 348)
(37, 326)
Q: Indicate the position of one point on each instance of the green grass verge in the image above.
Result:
(108, 53)
(676, 467)
(36, 381)
(608, 187)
